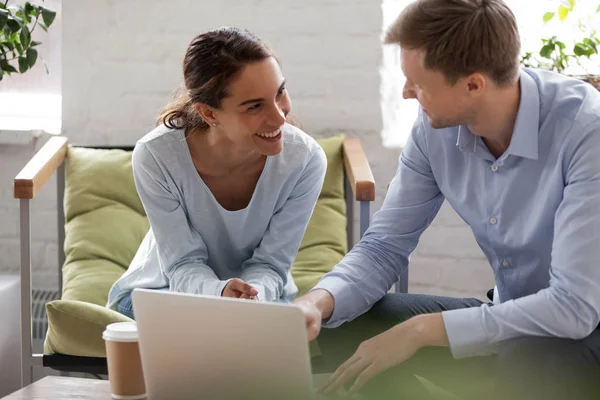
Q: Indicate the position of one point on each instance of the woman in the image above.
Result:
(227, 184)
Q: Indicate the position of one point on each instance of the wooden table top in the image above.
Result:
(60, 387)
(66, 388)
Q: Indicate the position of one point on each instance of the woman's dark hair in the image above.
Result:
(211, 62)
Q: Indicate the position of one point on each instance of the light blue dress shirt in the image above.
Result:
(534, 211)
(194, 245)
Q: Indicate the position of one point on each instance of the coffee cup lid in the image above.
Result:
(121, 332)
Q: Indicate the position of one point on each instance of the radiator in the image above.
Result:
(39, 320)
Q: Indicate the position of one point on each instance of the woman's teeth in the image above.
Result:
(270, 134)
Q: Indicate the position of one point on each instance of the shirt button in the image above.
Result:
(494, 168)
(493, 221)
(505, 263)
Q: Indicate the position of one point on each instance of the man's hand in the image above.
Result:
(313, 318)
(239, 289)
(316, 306)
(387, 350)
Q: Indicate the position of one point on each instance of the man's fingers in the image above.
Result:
(333, 379)
(312, 329)
(365, 376)
(344, 366)
(350, 372)
(313, 319)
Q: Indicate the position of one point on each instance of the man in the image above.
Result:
(516, 153)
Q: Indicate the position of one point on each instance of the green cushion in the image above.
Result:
(105, 224)
(75, 327)
(324, 243)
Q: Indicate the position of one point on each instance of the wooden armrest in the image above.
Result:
(40, 168)
(358, 170)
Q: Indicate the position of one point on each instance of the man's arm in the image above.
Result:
(369, 270)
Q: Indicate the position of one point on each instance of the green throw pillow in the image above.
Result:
(324, 243)
(75, 327)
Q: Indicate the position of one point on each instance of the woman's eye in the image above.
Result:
(280, 91)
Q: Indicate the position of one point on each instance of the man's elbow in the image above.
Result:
(583, 326)
(575, 316)
(581, 332)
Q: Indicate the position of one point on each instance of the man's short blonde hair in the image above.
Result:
(460, 37)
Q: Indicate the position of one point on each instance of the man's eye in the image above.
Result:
(254, 107)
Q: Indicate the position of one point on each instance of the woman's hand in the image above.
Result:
(239, 289)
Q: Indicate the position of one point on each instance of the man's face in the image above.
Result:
(445, 105)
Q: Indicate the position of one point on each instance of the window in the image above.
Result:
(32, 101)
(399, 114)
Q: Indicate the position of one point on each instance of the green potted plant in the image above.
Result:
(555, 55)
(17, 23)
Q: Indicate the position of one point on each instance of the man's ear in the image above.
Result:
(207, 113)
(476, 84)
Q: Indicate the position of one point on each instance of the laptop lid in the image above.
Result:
(195, 347)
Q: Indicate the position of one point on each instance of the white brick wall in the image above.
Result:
(121, 63)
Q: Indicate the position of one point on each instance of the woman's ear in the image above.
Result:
(206, 112)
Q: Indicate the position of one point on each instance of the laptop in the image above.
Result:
(206, 347)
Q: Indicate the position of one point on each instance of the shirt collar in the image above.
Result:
(524, 141)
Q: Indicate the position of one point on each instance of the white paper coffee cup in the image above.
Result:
(124, 363)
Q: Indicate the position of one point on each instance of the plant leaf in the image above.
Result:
(23, 65)
(44, 27)
(32, 55)
(25, 37)
(598, 9)
(563, 13)
(8, 69)
(48, 16)
(548, 16)
(24, 15)
(3, 18)
(13, 25)
(16, 18)
(28, 9)
(34, 43)
(580, 50)
(546, 51)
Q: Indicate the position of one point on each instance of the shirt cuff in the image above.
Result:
(262, 294)
(466, 332)
(342, 300)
